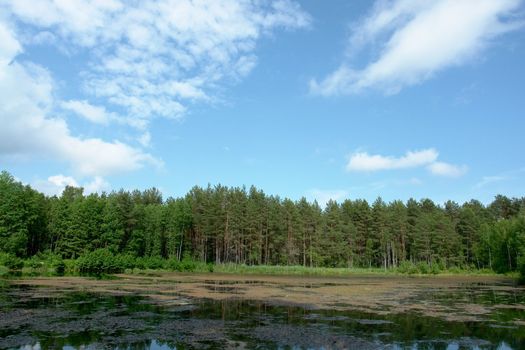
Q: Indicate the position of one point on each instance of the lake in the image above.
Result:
(261, 312)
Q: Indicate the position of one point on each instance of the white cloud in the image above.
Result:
(85, 110)
(416, 40)
(363, 161)
(151, 58)
(141, 60)
(446, 169)
(9, 46)
(62, 181)
(98, 185)
(55, 185)
(30, 127)
(324, 196)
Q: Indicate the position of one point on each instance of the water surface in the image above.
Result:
(42, 318)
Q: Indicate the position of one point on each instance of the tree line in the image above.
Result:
(246, 226)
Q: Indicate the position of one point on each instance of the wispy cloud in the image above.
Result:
(144, 59)
(153, 58)
(446, 169)
(501, 177)
(417, 39)
(487, 180)
(86, 110)
(364, 162)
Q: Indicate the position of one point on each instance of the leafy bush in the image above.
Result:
(10, 261)
(173, 264)
(407, 267)
(34, 262)
(210, 267)
(423, 268)
(185, 265)
(150, 262)
(98, 261)
(435, 269)
(46, 261)
(522, 270)
(59, 266)
(125, 261)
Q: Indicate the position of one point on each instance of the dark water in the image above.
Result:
(35, 318)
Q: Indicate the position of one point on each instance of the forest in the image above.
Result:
(237, 225)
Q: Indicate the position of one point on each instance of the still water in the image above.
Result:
(34, 318)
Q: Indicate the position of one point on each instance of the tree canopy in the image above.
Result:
(220, 224)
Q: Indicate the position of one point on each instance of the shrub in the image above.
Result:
(59, 266)
(187, 264)
(423, 267)
(34, 262)
(522, 270)
(407, 267)
(173, 264)
(435, 269)
(10, 261)
(150, 262)
(98, 261)
(125, 261)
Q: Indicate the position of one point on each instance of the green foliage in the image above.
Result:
(11, 261)
(407, 267)
(522, 270)
(423, 268)
(98, 261)
(150, 262)
(188, 265)
(217, 226)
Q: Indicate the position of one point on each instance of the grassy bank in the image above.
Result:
(104, 262)
(340, 271)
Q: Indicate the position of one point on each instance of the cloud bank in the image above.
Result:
(417, 39)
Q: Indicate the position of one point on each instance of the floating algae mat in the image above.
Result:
(36, 317)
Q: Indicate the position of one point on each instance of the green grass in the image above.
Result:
(333, 271)
(296, 270)
(47, 267)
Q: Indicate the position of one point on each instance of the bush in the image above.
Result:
(125, 261)
(98, 261)
(407, 267)
(59, 266)
(423, 267)
(173, 264)
(435, 269)
(150, 262)
(10, 261)
(522, 270)
(187, 264)
(46, 261)
(34, 262)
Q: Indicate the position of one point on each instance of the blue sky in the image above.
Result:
(356, 99)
